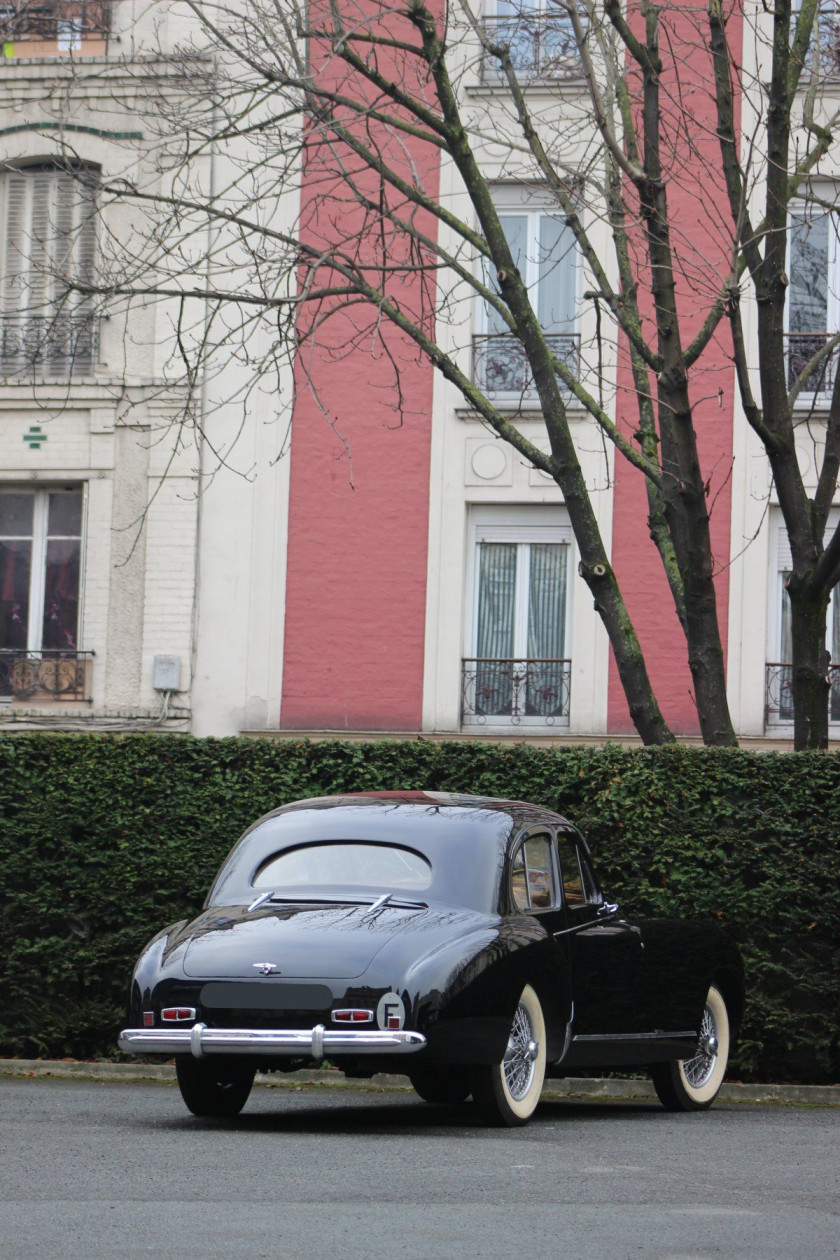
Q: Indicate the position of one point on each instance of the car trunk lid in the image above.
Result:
(294, 941)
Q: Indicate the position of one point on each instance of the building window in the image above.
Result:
(45, 27)
(545, 252)
(779, 680)
(47, 236)
(813, 310)
(539, 37)
(40, 592)
(518, 670)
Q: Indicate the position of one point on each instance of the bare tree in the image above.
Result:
(367, 101)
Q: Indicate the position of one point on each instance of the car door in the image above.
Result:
(606, 952)
(534, 887)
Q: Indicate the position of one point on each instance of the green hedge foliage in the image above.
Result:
(105, 840)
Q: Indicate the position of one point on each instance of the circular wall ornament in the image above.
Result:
(489, 462)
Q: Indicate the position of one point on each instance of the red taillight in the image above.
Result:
(352, 1015)
(394, 1021)
(177, 1014)
(148, 1019)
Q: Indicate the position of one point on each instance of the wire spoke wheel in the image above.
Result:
(521, 1053)
(693, 1084)
(507, 1093)
(699, 1069)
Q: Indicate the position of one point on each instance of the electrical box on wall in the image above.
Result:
(167, 673)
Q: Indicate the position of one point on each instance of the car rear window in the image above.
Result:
(346, 865)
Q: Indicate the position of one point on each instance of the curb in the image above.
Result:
(606, 1088)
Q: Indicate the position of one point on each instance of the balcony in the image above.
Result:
(65, 23)
(778, 693)
(57, 345)
(500, 365)
(542, 47)
(44, 675)
(801, 348)
(505, 691)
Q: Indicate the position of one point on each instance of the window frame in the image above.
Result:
(41, 303)
(585, 870)
(535, 833)
(519, 525)
(38, 563)
(780, 563)
(533, 204)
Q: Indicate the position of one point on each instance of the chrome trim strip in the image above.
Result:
(578, 927)
(201, 1040)
(651, 1036)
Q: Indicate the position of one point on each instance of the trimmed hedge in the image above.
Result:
(105, 840)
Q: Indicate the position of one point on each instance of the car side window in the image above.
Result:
(579, 888)
(532, 875)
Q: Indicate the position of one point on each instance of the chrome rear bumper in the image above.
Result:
(317, 1042)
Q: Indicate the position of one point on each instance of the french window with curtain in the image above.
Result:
(40, 569)
(813, 303)
(545, 253)
(783, 712)
(520, 670)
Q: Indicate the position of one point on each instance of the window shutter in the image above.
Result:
(15, 250)
(37, 242)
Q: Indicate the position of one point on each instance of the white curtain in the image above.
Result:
(496, 624)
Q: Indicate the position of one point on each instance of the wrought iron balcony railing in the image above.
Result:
(61, 343)
(44, 675)
(500, 365)
(778, 693)
(54, 19)
(801, 348)
(541, 46)
(510, 690)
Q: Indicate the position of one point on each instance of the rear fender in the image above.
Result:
(148, 972)
(467, 992)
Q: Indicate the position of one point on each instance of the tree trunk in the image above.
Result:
(811, 659)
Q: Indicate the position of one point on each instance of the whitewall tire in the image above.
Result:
(693, 1084)
(507, 1093)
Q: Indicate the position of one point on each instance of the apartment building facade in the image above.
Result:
(314, 561)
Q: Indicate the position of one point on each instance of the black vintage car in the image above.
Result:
(462, 940)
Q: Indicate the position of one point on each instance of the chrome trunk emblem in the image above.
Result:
(265, 968)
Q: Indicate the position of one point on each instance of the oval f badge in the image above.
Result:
(390, 1013)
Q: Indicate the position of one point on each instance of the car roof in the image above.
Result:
(519, 811)
(465, 838)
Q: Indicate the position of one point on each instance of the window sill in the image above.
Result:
(527, 408)
(573, 85)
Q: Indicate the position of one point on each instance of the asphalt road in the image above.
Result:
(104, 1170)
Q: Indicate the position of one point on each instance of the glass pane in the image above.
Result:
(573, 893)
(538, 863)
(547, 600)
(61, 595)
(15, 563)
(519, 881)
(556, 275)
(346, 866)
(785, 684)
(16, 515)
(515, 228)
(496, 599)
(65, 514)
(496, 592)
(808, 296)
(547, 684)
(834, 632)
